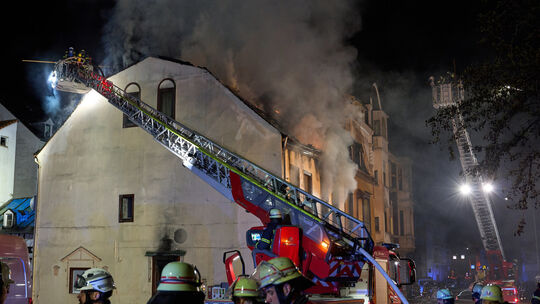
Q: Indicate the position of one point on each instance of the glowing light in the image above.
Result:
(465, 189)
(53, 79)
(454, 257)
(324, 245)
(487, 187)
(463, 257)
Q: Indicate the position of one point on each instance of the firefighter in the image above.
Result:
(245, 291)
(444, 296)
(476, 291)
(95, 285)
(536, 295)
(179, 283)
(5, 280)
(491, 294)
(267, 236)
(281, 281)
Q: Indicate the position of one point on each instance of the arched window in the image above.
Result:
(167, 97)
(134, 90)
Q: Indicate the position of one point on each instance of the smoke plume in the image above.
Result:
(286, 57)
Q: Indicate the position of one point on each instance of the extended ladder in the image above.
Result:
(211, 161)
(449, 93)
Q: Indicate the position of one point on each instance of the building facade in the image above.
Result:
(383, 196)
(111, 197)
(18, 171)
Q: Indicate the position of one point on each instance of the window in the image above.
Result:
(366, 211)
(377, 227)
(377, 127)
(134, 90)
(167, 98)
(350, 205)
(393, 170)
(401, 225)
(394, 205)
(383, 129)
(385, 222)
(294, 175)
(400, 179)
(125, 208)
(73, 272)
(308, 186)
(9, 219)
(3, 141)
(376, 176)
(356, 152)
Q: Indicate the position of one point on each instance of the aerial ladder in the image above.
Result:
(449, 92)
(334, 244)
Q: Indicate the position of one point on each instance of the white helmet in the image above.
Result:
(95, 279)
(275, 213)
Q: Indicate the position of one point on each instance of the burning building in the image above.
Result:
(110, 197)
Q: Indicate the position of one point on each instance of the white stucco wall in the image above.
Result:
(7, 162)
(91, 160)
(24, 176)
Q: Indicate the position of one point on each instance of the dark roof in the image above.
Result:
(5, 123)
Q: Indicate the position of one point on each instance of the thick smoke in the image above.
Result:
(286, 57)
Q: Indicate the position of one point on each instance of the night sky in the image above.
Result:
(400, 45)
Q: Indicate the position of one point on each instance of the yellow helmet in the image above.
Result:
(277, 271)
(245, 287)
(491, 293)
(179, 276)
(275, 213)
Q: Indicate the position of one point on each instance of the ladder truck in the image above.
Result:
(328, 245)
(449, 92)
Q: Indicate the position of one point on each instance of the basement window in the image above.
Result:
(125, 208)
(3, 141)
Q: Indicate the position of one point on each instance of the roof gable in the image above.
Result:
(5, 123)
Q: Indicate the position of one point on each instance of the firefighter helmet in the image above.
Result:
(179, 276)
(5, 274)
(491, 293)
(444, 294)
(95, 279)
(244, 287)
(275, 213)
(278, 271)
